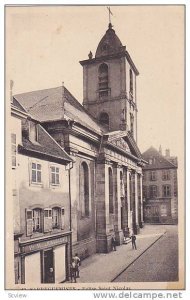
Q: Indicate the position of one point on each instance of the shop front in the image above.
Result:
(45, 259)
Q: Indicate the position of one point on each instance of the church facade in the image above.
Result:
(100, 137)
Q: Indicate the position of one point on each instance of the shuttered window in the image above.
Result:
(29, 222)
(33, 221)
(55, 217)
(62, 218)
(36, 217)
(47, 219)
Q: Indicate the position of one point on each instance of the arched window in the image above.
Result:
(111, 208)
(104, 119)
(33, 221)
(58, 217)
(84, 190)
(36, 218)
(131, 81)
(103, 80)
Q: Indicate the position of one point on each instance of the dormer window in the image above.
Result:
(33, 134)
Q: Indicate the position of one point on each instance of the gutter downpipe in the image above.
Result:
(70, 207)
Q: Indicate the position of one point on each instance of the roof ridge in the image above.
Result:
(33, 91)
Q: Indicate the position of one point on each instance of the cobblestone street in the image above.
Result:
(158, 263)
(156, 259)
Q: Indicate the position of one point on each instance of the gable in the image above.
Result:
(122, 144)
(124, 141)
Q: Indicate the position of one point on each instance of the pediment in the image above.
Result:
(124, 141)
(121, 143)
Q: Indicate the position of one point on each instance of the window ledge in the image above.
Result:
(55, 186)
(37, 184)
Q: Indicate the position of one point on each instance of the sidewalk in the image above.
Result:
(106, 267)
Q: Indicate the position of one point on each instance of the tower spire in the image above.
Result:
(110, 13)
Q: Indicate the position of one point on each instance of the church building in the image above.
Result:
(100, 137)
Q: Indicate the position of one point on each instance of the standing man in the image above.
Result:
(113, 243)
(73, 270)
(77, 262)
(133, 240)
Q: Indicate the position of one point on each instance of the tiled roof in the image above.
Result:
(158, 160)
(17, 105)
(46, 145)
(111, 41)
(50, 105)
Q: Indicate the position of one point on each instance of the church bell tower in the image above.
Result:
(109, 85)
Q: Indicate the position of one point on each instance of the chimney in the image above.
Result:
(160, 150)
(167, 153)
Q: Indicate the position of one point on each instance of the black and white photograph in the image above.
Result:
(95, 143)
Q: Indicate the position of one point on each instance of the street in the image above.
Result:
(158, 263)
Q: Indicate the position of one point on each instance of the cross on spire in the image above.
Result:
(110, 13)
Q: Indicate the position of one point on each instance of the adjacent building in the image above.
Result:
(160, 190)
(41, 202)
(100, 136)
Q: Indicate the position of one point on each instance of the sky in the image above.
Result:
(45, 44)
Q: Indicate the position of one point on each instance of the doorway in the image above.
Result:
(49, 266)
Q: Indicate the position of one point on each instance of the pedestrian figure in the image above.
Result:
(133, 240)
(73, 270)
(77, 262)
(50, 276)
(113, 243)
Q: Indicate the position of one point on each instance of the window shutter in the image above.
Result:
(47, 219)
(62, 218)
(29, 222)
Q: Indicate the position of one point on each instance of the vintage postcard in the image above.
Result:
(95, 122)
